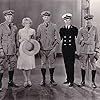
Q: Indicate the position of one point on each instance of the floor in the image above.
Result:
(59, 92)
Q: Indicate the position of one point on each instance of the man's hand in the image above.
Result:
(18, 54)
(77, 55)
(82, 43)
(52, 51)
(97, 56)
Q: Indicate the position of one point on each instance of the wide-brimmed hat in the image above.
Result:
(31, 47)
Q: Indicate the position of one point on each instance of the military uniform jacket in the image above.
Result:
(48, 36)
(7, 38)
(68, 37)
(88, 40)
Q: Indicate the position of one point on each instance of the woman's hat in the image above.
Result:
(31, 47)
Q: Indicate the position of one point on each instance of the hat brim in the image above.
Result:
(34, 51)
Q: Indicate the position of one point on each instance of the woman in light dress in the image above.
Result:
(25, 62)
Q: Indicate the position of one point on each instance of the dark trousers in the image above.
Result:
(69, 60)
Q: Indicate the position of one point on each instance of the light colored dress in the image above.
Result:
(25, 61)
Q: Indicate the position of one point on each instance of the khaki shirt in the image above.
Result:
(7, 38)
(47, 36)
(88, 40)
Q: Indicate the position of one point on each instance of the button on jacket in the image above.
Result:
(88, 40)
(68, 37)
(7, 38)
(48, 35)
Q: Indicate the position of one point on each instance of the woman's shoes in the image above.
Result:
(27, 84)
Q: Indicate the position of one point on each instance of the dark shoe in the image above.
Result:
(94, 85)
(0, 86)
(66, 82)
(71, 85)
(42, 83)
(82, 84)
(53, 83)
(12, 84)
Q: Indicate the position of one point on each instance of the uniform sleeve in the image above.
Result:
(76, 31)
(97, 43)
(38, 34)
(57, 36)
(1, 37)
(79, 37)
(16, 36)
(61, 37)
(33, 34)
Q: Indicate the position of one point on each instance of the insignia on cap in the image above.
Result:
(46, 13)
(67, 16)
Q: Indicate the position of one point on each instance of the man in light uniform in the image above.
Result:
(8, 47)
(89, 48)
(48, 37)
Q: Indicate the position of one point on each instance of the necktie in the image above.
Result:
(88, 28)
(67, 27)
(47, 24)
(9, 26)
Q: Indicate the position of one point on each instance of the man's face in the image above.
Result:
(9, 18)
(46, 18)
(89, 22)
(67, 21)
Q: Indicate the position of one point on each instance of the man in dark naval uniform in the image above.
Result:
(8, 47)
(68, 34)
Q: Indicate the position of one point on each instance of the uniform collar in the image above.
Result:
(92, 27)
(69, 26)
(46, 23)
(6, 23)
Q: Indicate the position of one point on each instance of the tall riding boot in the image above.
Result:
(11, 83)
(1, 75)
(43, 71)
(93, 78)
(83, 77)
(52, 82)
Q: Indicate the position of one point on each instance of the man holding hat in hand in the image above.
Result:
(8, 47)
(68, 33)
(89, 48)
(48, 37)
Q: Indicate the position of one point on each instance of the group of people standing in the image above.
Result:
(87, 38)
(48, 38)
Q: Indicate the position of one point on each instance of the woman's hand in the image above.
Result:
(1, 53)
(21, 40)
